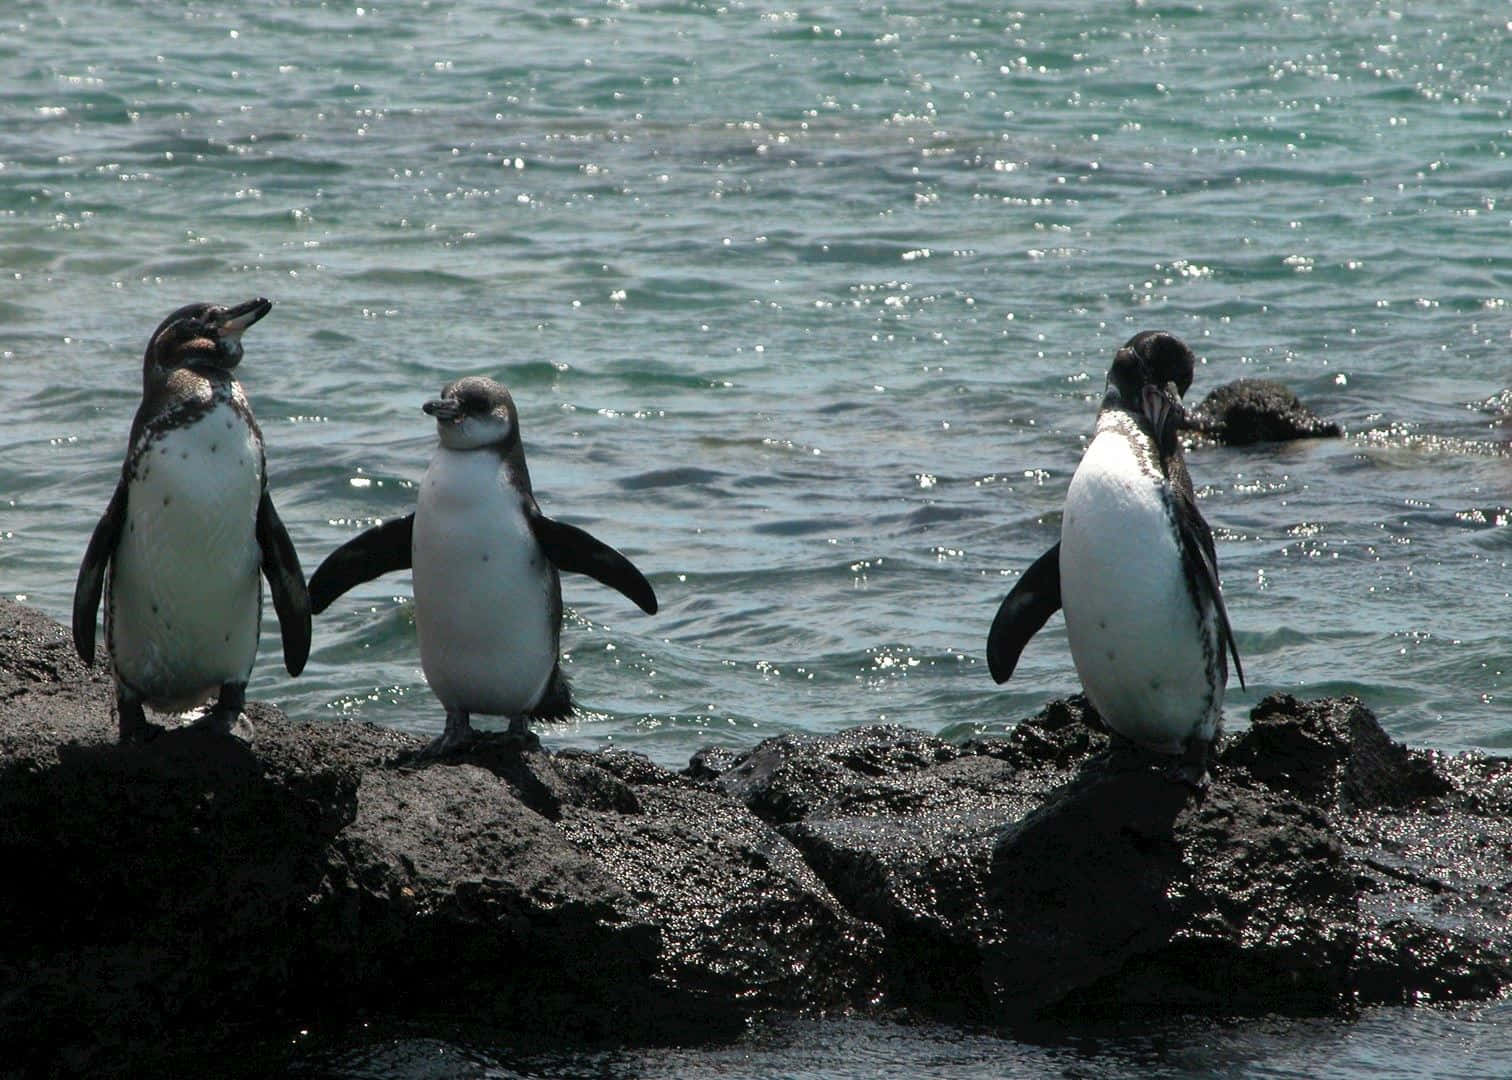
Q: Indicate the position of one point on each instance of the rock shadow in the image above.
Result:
(1083, 883)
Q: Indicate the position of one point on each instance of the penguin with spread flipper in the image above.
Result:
(486, 566)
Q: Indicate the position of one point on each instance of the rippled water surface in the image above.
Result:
(807, 310)
(1385, 1044)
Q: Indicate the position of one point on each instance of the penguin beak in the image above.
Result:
(445, 410)
(1162, 407)
(244, 315)
(236, 320)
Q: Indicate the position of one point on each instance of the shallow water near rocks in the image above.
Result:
(808, 312)
(1388, 1043)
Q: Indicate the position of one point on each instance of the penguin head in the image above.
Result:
(1149, 377)
(201, 336)
(474, 413)
(1151, 358)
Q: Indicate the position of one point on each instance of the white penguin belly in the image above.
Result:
(1140, 645)
(185, 594)
(484, 606)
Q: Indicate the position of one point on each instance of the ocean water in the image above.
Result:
(808, 311)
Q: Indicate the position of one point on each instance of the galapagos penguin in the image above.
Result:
(190, 530)
(486, 566)
(1135, 571)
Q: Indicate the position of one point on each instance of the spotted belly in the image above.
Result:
(184, 597)
(1144, 650)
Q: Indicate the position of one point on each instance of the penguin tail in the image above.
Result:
(556, 702)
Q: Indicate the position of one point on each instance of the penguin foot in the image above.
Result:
(449, 742)
(517, 741)
(142, 731)
(1194, 765)
(519, 727)
(225, 722)
(458, 735)
(131, 720)
(226, 717)
(1193, 774)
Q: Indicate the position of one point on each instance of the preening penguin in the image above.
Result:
(486, 562)
(1135, 570)
(190, 529)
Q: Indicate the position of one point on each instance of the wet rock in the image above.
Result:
(1258, 410)
(196, 892)
(900, 826)
(1333, 753)
(1048, 874)
(788, 777)
(1164, 901)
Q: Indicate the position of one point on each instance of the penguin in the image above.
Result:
(486, 568)
(1135, 571)
(191, 527)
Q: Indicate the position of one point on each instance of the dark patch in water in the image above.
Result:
(796, 527)
(927, 515)
(676, 477)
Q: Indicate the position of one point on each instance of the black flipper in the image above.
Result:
(1197, 548)
(570, 548)
(1035, 597)
(378, 551)
(280, 565)
(102, 545)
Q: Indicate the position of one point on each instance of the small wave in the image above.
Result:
(389, 275)
(676, 477)
(797, 527)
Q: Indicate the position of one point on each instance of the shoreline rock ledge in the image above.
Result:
(195, 894)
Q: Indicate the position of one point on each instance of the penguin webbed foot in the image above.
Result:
(139, 731)
(220, 721)
(132, 724)
(460, 737)
(457, 737)
(514, 740)
(1194, 767)
(444, 745)
(226, 717)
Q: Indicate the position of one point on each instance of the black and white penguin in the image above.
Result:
(486, 562)
(188, 533)
(1135, 570)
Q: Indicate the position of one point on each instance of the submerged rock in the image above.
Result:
(1258, 410)
(194, 893)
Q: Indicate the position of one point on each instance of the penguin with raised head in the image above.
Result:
(181, 548)
(1135, 571)
(486, 563)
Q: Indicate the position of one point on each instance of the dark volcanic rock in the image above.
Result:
(1043, 873)
(182, 894)
(1163, 901)
(1332, 752)
(1258, 410)
(194, 893)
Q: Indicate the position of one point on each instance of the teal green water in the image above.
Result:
(807, 310)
